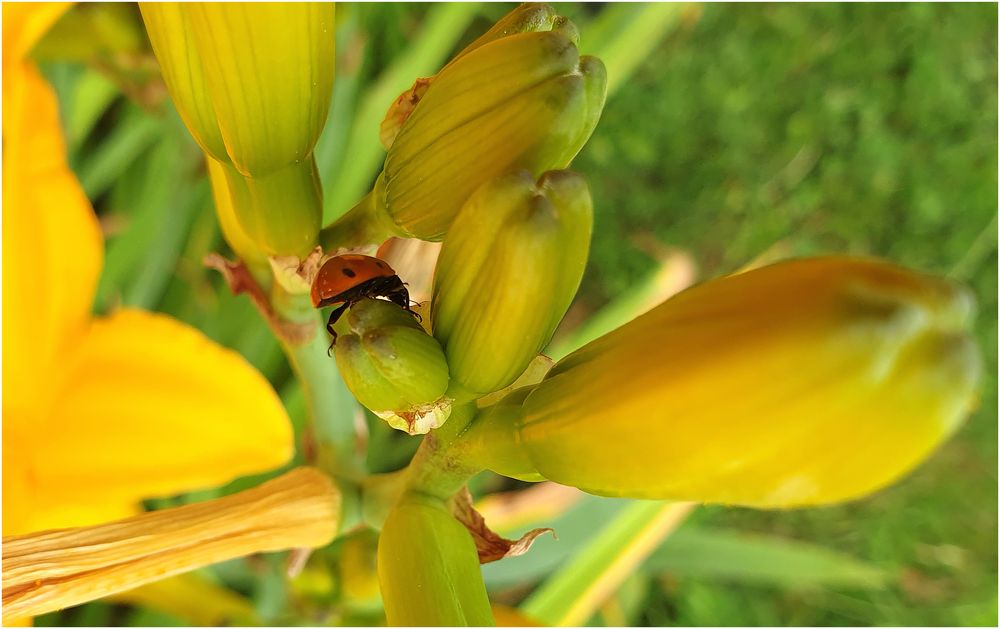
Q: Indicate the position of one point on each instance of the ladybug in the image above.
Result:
(349, 278)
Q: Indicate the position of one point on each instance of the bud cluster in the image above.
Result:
(471, 153)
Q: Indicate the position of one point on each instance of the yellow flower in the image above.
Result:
(801, 383)
(99, 413)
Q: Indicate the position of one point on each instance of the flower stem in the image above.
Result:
(440, 467)
(339, 446)
(361, 225)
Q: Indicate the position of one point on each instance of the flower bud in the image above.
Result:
(528, 16)
(428, 569)
(800, 383)
(253, 84)
(269, 68)
(507, 273)
(169, 28)
(393, 367)
(524, 101)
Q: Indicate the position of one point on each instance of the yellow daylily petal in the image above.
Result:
(52, 245)
(29, 507)
(24, 23)
(194, 599)
(153, 407)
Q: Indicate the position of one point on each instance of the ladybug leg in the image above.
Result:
(401, 297)
(334, 317)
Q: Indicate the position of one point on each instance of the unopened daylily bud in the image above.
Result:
(253, 83)
(393, 366)
(525, 101)
(507, 273)
(529, 16)
(229, 192)
(269, 68)
(800, 383)
(428, 569)
(169, 28)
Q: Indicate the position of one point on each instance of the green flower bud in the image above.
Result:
(393, 367)
(169, 28)
(428, 569)
(253, 84)
(801, 383)
(507, 273)
(526, 17)
(269, 68)
(524, 101)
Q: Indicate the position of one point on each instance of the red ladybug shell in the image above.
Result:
(342, 273)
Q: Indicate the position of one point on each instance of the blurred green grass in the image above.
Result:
(861, 128)
(868, 129)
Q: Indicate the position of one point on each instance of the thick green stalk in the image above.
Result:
(441, 466)
(339, 449)
(361, 226)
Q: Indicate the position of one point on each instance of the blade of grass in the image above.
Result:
(625, 34)
(129, 138)
(575, 529)
(577, 590)
(759, 559)
(92, 94)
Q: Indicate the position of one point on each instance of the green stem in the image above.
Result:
(339, 448)
(362, 225)
(441, 465)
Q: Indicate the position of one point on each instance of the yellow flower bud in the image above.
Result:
(508, 271)
(269, 68)
(800, 383)
(169, 28)
(253, 83)
(428, 569)
(528, 16)
(393, 366)
(525, 101)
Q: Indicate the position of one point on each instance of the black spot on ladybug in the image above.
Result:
(346, 271)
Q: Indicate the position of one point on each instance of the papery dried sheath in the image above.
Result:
(801, 383)
(507, 273)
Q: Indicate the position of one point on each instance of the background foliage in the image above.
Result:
(749, 130)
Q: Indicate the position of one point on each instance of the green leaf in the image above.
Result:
(759, 559)
(624, 35)
(571, 595)
(129, 138)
